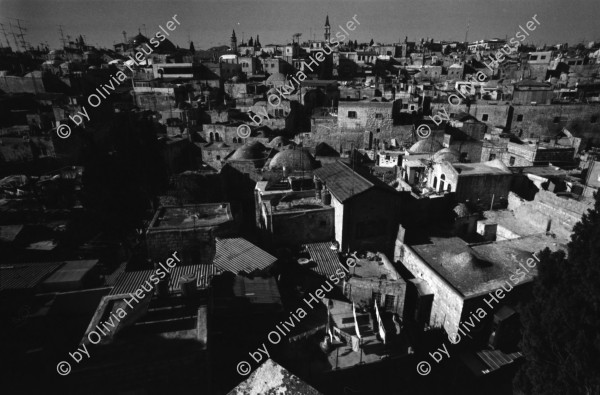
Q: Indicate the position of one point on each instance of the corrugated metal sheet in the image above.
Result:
(495, 359)
(25, 275)
(112, 278)
(327, 260)
(129, 282)
(238, 254)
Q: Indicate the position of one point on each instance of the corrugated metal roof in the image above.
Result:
(495, 359)
(327, 260)
(238, 254)
(111, 279)
(129, 282)
(25, 275)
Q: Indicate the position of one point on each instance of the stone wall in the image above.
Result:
(448, 303)
(369, 115)
(193, 246)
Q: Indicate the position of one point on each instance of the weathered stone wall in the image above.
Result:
(447, 306)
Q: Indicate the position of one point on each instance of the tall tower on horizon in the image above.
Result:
(234, 42)
(327, 29)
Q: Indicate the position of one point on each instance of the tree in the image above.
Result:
(192, 49)
(561, 336)
(371, 43)
(251, 42)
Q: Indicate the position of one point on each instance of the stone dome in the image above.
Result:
(462, 210)
(276, 79)
(249, 151)
(446, 154)
(293, 159)
(426, 146)
(281, 142)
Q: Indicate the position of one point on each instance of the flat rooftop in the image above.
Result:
(374, 268)
(299, 204)
(479, 269)
(468, 169)
(191, 216)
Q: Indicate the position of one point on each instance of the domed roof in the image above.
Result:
(281, 142)
(462, 210)
(426, 146)
(446, 154)
(138, 40)
(293, 159)
(276, 79)
(249, 151)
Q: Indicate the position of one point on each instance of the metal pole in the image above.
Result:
(492, 205)
(361, 351)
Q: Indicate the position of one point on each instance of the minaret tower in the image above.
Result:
(327, 29)
(234, 42)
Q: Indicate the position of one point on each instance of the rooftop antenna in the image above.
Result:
(14, 35)
(297, 38)
(21, 35)
(467, 32)
(5, 34)
(124, 37)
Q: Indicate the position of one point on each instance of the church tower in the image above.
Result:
(234, 42)
(327, 29)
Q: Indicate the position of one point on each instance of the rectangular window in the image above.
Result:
(484, 117)
(594, 119)
(533, 57)
(511, 161)
(377, 298)
(520, 118)
(378, 115)
(556, 120)
(389, 302)
(352, 114)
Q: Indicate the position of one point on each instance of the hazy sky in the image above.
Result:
(209, 22)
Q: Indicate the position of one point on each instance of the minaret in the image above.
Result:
(234, 42)
(327, 29)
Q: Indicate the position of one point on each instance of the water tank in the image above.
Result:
(187, 282)
(162, 289)
(318, 183)
(326, 197)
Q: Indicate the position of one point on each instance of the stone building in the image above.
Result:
(462, 278)
(520, 154)
(292, 213)
(484, 183)
(374, 116)
(189, 230)
(375, 280)
(366, 209)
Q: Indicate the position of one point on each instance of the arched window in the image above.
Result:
(434, 182)
(443, 176)
(217, 137)
(211, 135)
(449, 189)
